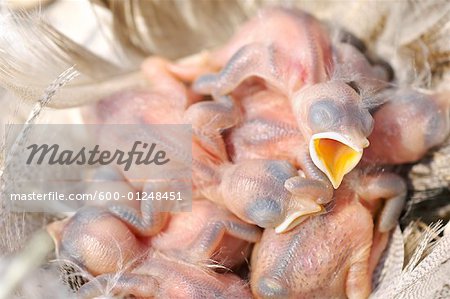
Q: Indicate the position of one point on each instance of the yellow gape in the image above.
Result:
(337, 158)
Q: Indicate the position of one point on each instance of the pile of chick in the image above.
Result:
(294, 133)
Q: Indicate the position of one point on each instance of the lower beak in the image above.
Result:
(304, 209)
(334, 155)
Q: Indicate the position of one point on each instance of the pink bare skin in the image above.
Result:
(168, 279)
(210, 158)
(210, 118)
(95, 240)
(110, 179)
(263, 48)
(408, 125)
(268, 40)
(353, 66)
(166, 101)
(199, 236)
(269, 193)
(262, 134)
(210, 163)
(273, 31)
(331, 255)
(106, 243)
(163, 101)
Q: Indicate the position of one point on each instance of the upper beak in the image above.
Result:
(335, 155)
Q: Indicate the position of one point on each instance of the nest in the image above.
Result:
(413, 37)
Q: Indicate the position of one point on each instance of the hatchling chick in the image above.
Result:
(292, 53)
(268, 130)
(332, 255)
(130, 252)
(166, 100)
(211, 167)
(408, 125)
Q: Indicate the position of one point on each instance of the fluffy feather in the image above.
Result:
(175, 29)
(415, 40)
(12, 236)
(33, 53)
(427, 271)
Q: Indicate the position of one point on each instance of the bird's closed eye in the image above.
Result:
(324, 114)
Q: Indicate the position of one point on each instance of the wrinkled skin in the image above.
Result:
(268, 40)
(328, 112)
(211, 168)
(165, 101)
(262, 134)
(208, 232)
(331, 255)
(269, 193)
(408, 125)
(109, 240)
(109, 179)
(103, 243)
(170, 279)
(326, 257)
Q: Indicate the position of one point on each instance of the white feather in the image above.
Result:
(33, 53)
(427, 273)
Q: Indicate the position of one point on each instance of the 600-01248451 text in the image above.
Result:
(98, 195)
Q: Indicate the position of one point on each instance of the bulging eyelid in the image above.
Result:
(324, 113)
(327, 104)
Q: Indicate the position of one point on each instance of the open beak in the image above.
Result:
(304, 209)
(335, 155)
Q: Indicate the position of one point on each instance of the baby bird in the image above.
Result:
(211, 168)
(269, 193)
(408, 125)
(328, 112)
(208, 233)
(106, 242)
(262, 134)
(162, 278)
(165, 101)
(334, 254)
